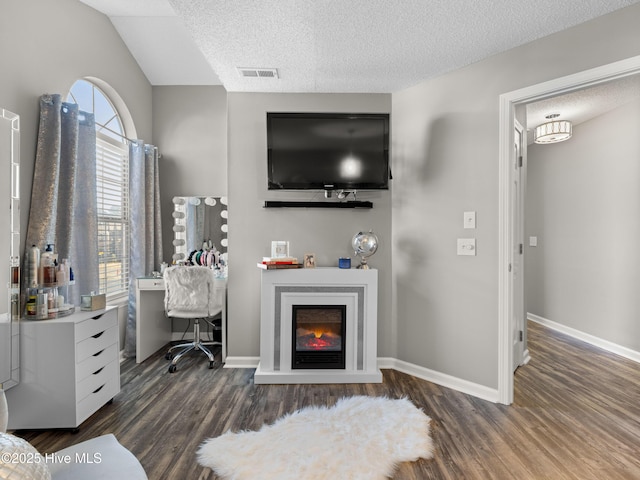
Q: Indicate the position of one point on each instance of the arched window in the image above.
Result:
(112, 175)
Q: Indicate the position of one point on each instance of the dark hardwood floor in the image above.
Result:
(576, 415)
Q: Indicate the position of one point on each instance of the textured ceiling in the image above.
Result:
(378, 46)
(362, 46)
(582, 105)
(367, 45)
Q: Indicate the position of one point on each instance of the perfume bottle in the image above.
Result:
(15, 272)
(33, 265)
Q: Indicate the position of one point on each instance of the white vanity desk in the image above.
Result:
(153, 328)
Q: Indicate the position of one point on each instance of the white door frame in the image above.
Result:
(508, 101)
(518, 184)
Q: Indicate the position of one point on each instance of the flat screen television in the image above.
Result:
(328, 151)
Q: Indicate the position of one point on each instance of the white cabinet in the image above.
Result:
(70, 367)
(153, 328)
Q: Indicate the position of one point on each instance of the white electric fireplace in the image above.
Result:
(318, 325)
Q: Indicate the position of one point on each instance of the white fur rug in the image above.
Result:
(360, 438)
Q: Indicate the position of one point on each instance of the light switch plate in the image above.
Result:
(467, 246)
(533, 241)
(469, 219)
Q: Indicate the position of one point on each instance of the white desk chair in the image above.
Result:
(193, 293)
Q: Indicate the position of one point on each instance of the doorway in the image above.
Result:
(507, 294)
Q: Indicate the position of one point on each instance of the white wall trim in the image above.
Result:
(464, 386)
(505, 240)
(241, 362)
(587, 337)
(442, 379)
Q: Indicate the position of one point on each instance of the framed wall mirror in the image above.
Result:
(10, 248)
(200, 224)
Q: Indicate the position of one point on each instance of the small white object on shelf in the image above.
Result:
(279, 248)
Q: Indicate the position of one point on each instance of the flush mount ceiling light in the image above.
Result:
(554, 131)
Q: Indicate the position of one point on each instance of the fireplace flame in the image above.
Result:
(317, 339)
(318, 343)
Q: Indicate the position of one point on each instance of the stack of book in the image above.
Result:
(274, 263)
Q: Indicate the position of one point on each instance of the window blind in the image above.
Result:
(112, 175)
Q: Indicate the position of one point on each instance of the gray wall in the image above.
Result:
(190, 130)
(583, 204)
(327, 233)
(45, 47)
(445, 148)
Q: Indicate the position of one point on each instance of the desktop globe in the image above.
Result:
(364, 244)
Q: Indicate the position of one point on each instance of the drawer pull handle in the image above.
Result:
(99, 353)
(98, 317)
(99, 388)
(97, 371)
(98, 335)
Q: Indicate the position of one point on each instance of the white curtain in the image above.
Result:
(145, 226)
(63, 207)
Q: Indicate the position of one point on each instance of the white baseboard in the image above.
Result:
(241, 362)
(441, 379)
(526, 357)
(586, 337)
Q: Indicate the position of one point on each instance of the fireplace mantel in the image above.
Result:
(281, 289)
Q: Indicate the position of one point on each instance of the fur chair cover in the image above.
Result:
(191, 292)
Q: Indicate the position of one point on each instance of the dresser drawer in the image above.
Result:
(92, 345)
(96, 380)
(96, 361)
(96, 324)
(101, 394)
(151, 284)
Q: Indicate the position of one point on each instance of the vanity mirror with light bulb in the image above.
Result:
(200, 232)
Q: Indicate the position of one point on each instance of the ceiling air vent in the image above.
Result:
(258, 72)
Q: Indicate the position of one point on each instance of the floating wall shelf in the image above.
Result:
(288, 204)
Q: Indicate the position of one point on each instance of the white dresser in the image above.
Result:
(69, 368)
